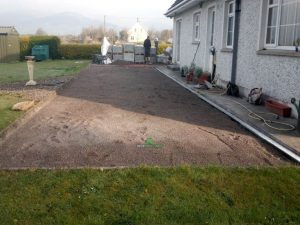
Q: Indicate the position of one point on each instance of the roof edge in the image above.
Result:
(186, 4)
(172, 9)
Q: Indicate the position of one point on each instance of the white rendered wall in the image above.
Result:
(279, 76)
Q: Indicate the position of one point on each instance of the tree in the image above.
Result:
(152, 33)
(40, 32)
(123, 35)
(93, 33)
(166, 34)
(112, 35)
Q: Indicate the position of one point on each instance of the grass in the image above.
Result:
(151, 196)
(16, 72)
(7, 115)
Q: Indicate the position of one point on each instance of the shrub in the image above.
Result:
(78, 51)
(27, 43)
(198, 71)
(162, 47)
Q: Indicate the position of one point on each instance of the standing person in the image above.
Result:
(147, 46)
(156, 44)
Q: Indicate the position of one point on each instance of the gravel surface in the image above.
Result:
(103, 118)
(41, 92)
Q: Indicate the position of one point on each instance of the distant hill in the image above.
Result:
(61, 23)
(70, 22)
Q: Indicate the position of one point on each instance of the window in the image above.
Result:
(196, 27)
(283, 23)
(230, 24)
(132, 38)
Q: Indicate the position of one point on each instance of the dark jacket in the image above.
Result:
(147, 43)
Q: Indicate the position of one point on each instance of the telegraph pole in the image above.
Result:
(104, 24)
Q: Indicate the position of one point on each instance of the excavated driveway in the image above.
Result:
(103, 118)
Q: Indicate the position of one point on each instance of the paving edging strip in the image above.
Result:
(250, 128)
(14, 126)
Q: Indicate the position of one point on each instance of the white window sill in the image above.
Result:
(229, 50)
(278, 52)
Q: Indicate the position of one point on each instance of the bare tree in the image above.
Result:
(166, 35)
(152, 33)
(123, 35)
(112, 35)
(40, 32)
(92, 33)
(96, 34)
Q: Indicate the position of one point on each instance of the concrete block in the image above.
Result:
(153, 51)
(118, 57)
(139, 58)
(129, 57)
(139, 50)
(109, 49)
(163, 59)
(128, 48)
(118, 49)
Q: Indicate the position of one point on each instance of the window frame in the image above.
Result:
(229, 15)
(195, 24)
(277, 33)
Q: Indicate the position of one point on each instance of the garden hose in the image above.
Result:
(256, 116)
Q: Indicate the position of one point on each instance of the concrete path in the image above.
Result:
(105, 116)
(285, 139)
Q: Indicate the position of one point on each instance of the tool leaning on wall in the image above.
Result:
(293, 101)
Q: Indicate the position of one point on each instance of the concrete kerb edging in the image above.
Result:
(253, 130)
(14, 127)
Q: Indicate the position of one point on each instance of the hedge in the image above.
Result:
(78, 51)
(27, 43)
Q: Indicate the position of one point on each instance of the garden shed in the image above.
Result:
(9, 44)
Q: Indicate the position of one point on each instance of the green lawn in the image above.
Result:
(7, 115)
(151, 196)
(14, 72)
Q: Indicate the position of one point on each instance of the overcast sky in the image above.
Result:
(149, 11)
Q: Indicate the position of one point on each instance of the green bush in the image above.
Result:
(78, 51)
(27, 43)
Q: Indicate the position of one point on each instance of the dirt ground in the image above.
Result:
(103, 118)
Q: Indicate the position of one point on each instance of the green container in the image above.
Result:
(40, 52)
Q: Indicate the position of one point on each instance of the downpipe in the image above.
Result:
(236, 40)
(293, 101)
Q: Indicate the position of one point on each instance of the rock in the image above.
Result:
(23, 106)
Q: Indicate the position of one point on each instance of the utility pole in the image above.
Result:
(104, 24)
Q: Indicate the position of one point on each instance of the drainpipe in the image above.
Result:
(298, 110)
(235, 40)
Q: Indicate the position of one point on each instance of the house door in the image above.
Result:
(178, 40)
(210, 38)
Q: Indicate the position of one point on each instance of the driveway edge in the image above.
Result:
(250, 128)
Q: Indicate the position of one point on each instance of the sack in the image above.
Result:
(233, 90)
(255, 96)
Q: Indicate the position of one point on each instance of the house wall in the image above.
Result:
(279, 76)
(188, 47)
(139, 34)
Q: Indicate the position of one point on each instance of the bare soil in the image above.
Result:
(103, 116)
